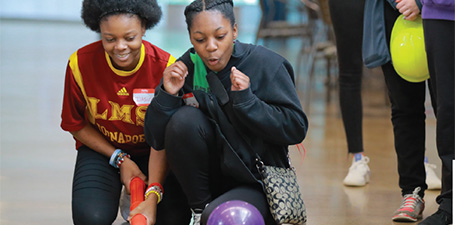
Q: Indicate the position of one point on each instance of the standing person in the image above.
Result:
(438, 26)
(108, 86)
(407, 102)
(347, 19)
(263, 108)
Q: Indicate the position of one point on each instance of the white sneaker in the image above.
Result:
(124, 204)
(196, 216)
(359, 172)
(432, 180)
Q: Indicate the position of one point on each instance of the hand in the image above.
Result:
(239, 80)
(129, 170)
(146, 208)
(174, 77)
(408, 8)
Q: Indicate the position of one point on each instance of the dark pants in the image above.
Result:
(408, 119)
(193, 156)
(439, 44)
(347, 19)
(97, 187)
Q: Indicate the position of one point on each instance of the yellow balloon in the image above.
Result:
(407, 48)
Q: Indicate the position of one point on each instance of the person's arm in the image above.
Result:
(95, 141)
(274, 112)
(157, 172)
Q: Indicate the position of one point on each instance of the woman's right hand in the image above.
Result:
(174, 77)
(129, 170)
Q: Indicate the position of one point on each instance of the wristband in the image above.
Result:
(156, 184)
(112, 160)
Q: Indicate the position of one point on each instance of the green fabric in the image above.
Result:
(200, 73)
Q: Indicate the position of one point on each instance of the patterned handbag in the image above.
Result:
(283, 194)
(280, 184)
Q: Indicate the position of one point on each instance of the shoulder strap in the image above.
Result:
(222, 96)
(217, 88)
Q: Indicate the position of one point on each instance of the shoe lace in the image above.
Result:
(410, 201)
(433, 166)
(363, 162)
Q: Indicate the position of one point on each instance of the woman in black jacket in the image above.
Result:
(261, 106)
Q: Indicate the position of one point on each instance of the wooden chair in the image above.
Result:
(322, 48)
(270, 28)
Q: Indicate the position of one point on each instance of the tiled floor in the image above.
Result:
(37, 157)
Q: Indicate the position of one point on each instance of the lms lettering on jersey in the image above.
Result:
(124, 113)
(120, 137)
(143, 97)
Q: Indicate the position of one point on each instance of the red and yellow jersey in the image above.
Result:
(112, 100)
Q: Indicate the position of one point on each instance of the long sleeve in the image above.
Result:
(158, 114)
(270, 108)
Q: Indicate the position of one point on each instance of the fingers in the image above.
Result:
(239, 80)
(174, 77)
(178, 70)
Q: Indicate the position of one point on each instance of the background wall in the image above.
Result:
(69, 10)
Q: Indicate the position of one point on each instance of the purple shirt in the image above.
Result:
(438, 9)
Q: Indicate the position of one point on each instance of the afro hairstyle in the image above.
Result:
(94, 10)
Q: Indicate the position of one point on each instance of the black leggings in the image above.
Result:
(97, 187)
(347, 19)
(192, 154)
(439, 45)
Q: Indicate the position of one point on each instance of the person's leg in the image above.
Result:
(347, 19)
(439, 44)
(253, 195)
(173, 209)
(189, 148)
(408, 119)
(96, 189)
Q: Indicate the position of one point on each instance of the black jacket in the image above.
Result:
(268, 114)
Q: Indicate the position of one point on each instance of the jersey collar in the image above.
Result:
(124, 73)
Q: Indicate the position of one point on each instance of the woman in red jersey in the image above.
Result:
(108, 86)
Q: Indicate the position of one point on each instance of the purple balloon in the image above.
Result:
(235, 212)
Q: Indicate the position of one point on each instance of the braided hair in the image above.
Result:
(94, 11)
(225, 7)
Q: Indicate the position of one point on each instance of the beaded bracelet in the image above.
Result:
(155, 189)
(121, 159)
(157, 194)
(117, 158)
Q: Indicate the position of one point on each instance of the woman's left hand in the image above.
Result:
(408, 8)
(239, 80)
(146, 208)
